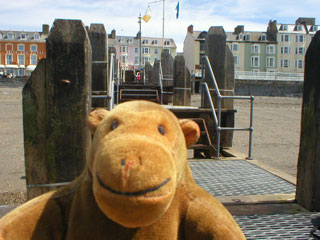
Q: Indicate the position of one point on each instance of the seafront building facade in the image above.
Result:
(20, 51)
(280, 49)
(128, 49)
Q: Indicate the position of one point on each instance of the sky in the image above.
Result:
(122, 15)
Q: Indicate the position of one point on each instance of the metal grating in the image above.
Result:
(278, 226)
(237, 178)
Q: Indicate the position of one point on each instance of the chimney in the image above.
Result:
(113, 34)
(239, 29)
(139, 35)
(45, 29)
(190, 29)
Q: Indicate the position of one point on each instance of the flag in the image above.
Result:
(177, 9)
(147, 15)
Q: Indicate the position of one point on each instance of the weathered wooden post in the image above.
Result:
(308, 179)
(56, 102)
(181, 83)
(167, 63)
(222, 64)
(99, 45)
(155, 73)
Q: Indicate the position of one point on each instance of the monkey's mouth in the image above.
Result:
(132, 194)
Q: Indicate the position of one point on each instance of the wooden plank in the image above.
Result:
(34, 129)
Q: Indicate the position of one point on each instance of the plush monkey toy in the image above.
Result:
(137, 185)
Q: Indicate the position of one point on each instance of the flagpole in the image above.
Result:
(140, 42)
(163, 26)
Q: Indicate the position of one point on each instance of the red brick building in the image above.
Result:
(20, 51)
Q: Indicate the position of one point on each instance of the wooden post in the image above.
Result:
(99, 45)
(308, 178)
(181, 82)
(167, 63)
(57, 98)
(222, 64)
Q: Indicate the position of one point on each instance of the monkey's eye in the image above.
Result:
(114, 124)
(161, 130)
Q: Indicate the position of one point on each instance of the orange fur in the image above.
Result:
(137, 185)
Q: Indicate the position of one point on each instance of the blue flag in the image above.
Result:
(177, 9)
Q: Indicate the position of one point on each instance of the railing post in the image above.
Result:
(111, 83)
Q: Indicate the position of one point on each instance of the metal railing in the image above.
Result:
(111, 82)
(268, 76)
(217, 119)
(160, 82)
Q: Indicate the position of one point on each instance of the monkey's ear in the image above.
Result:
(190, 130)
(94, 119)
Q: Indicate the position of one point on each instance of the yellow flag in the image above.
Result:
(147, 15)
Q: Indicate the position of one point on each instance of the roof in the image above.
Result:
(9, 35)
(297, 28)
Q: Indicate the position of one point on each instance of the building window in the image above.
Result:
(124, 59)
(9, 47)
(314, 28)
(263, 37)
(202, 46)
(130, 40)
(156, 51)
(270, 62)
(299, 63)
(247, 37)
(122, 39)
(33, 59)
(21, 72)
(300, 38)
(145, 41)
(255, 49)
(146, 50)
(299, 27)
(136, 60)
(284, 27)
(123, 49)
(236, 60)
(285, 38)
(285, 50)
(255, 61)
(167, 42)
(23, 36)
(10, 36)
(285, 63)
(300, 51)
(36, 36)
(154, 42)
(33, 48)
(21, 47)
(136, 50)
(234, 47)
(9, 59)
(21, 59)
(271, 49)
(145, 60)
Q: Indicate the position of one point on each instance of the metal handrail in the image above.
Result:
(111, 83)
(160, 82)
(217, 119)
